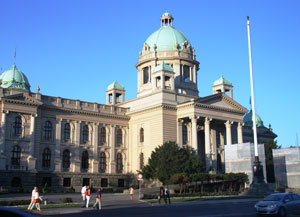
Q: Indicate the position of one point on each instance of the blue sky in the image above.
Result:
(75, 49)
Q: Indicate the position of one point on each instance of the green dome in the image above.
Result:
(166, 14)
(248, 120)
(222, 80)
(166, 38)
(115, 85)
(13, 78)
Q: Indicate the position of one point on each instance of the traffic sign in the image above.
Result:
(140, 176)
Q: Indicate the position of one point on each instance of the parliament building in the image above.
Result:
(67, 143)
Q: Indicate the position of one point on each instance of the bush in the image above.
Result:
(4, 203)
(19, 202)
(45, 188)
(70, 190)
(66, 200)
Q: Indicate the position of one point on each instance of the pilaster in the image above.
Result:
(57, 159)
(179, 132)
(31, 160)
(95, 161)
(2, 142)
(77, 158)
(112, 149)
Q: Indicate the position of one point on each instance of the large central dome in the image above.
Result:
(166, 37)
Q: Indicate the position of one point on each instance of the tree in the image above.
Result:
(271, 144)
(169, 159)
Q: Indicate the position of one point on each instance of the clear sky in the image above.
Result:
(75, 49)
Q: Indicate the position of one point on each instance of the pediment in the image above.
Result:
(223, 101)
(21, 98)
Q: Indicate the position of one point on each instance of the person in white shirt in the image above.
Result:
(36, 200)
(83, 190)
(32, 198)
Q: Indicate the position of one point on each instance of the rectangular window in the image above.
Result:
(85, 181)
(104, 183)
(67, 182)
(186, 73)
(145, 75)
(120, 183)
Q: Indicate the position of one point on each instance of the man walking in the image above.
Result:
(97, 204)
(83, 190)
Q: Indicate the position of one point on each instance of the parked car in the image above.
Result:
(10, 212)
(280, 204)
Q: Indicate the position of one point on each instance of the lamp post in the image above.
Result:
(258, 175)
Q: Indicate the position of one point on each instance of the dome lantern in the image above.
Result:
(166, 19)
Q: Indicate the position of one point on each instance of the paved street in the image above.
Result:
(119, 205)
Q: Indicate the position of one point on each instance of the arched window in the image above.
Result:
(85, 160)
(85, 133)
(16, 182)
(119, 137)
(47, 130)
(141, 135)
(66, 159)
(102, 136)
(67, 131)
(102, 162)
(46, 158)
(18, 126)
(141, 160)
(184, 134)
(16, 156)
(119, 163)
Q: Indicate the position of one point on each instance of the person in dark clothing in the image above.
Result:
(162, 194)
(167, 195)
(98, 202)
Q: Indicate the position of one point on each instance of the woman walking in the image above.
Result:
(36, 201)
(88, 196)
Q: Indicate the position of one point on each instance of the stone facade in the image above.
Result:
(67, 143)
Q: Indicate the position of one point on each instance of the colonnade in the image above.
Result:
(211, 147)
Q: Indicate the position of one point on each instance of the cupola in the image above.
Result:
(222, 85)
(115, 93)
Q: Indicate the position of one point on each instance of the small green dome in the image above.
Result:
(248, 120)
(13, 78)
(166, 14)
(164, 67)
(166, 38)
(222, 80)
(115, 85)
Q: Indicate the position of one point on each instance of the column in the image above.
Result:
(240, 132)
(31, 160)
(194, 134)
(112, 149)
(95, 161)
(179, 132)
(2, 142)
(228, 132)
(77, 157)
(207, 143)
(57, 159)
(214, 149)
(113, 98)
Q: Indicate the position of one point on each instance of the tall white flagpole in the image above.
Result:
(252, 92)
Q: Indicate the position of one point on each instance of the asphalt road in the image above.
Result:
(226, 208)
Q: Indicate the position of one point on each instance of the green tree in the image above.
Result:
(169, 159)
(271, 144)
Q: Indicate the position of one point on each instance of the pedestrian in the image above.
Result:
(162, 194)
(83, 190)
(32, 198)
(167, 195)
(98, 202)
(36, 200)
(87, 196)
(131, 192)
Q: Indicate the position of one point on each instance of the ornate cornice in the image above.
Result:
(91, 113)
